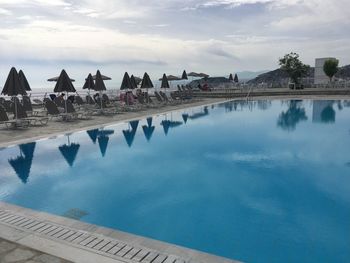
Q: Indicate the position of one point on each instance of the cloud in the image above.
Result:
(243, 34)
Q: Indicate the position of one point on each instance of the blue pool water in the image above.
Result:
(263, 181)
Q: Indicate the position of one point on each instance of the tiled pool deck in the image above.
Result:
(76, 241)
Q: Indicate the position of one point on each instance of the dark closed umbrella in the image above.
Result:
(230, 78)
(165, 82)
(146, 82)
(13, 86)
(184, 75)
(89, 83)
(133, 82)
(24, 81)
(126, 83)
(235, 79)
(99, 83)
(64, 84)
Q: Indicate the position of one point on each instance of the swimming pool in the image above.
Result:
(258, 181)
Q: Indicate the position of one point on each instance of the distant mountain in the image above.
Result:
(279, 76)
(247, 75)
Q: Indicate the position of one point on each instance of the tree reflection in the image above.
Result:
(289, 119)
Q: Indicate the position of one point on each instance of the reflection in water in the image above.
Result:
(129, 134)
(197, 115)
(93, 135)
(185, 117)
(295, 113)
(322, 111)
(170, 124)
(148, 129)
(69, 151)
(22, 163)
(103, 138)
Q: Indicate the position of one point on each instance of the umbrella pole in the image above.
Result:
(66, 101)
(101, 100)
(15, 107)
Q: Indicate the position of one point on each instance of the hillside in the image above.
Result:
(279, 76)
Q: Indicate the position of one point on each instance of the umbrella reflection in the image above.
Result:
(148, 129)
(129, 134)
(197, 115)
(93, 135)
(167, 124)
(22, 163)
(185, 117)
(103, 139)
(69, 151)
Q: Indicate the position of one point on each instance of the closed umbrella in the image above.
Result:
(165, 82)
(184, 75)
(126, 85)
(64, 84)
(235, 79)
(230, 78)
(89, 84)
(99, 85)
(24, 81)
(13, 87)
(133, 82)
(146, 83)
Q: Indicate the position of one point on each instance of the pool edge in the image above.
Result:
(79, 253)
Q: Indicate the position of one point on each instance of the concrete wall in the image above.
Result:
(320, 76)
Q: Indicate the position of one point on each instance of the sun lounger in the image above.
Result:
(82, 115)
(89, 100)
(11, 124)
(53, 112)
(33, 120)
(166, 98)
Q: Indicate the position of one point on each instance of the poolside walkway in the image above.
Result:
(15, 253)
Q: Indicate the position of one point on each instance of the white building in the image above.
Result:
(320, 76)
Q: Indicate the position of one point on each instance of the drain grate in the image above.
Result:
(81, 239)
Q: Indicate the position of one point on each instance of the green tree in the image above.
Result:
(291, 64)
(330, 68)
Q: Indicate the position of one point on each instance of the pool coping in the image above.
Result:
(77, 241)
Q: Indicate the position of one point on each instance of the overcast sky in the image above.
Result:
(213, 36)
